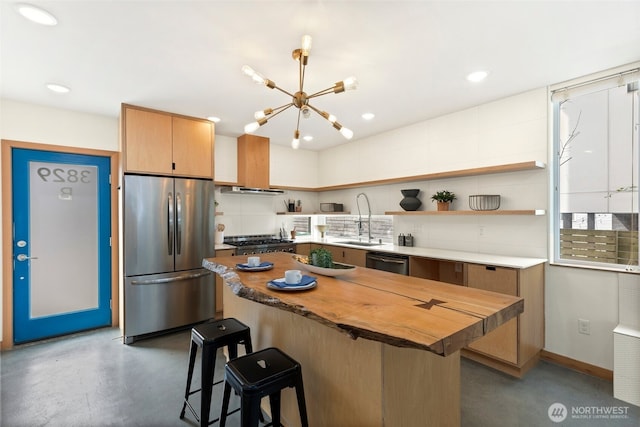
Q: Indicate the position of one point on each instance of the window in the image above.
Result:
(596, 172)
(302, 225)
(347, 226)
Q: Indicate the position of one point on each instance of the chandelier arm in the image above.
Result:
(298, 123)
(322, 92)
(284, 91)
(280, 108)
(303, 68)
(317, 111)
(284, 107)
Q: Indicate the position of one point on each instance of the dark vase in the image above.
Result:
(410, 201)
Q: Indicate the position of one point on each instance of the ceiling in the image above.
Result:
(410, 57)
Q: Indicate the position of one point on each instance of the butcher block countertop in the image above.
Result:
(398, 310)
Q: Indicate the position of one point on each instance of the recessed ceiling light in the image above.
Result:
(214, 119)
(36, 14)
(477, 76)
(308, 138)
(368, 116)
(54, 87)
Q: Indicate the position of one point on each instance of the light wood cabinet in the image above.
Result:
(147, 141)
(515, 346)
(437, 269)
(253, 161)
(192, 147)
(303, 248)
(357, 257)
(162, 143)
(220, 283)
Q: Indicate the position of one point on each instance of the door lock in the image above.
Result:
(23, 257)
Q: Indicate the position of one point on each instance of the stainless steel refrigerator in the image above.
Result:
(168, 230)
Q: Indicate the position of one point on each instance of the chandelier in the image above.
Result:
(300, 99)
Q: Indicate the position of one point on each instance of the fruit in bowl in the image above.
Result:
(320, 262)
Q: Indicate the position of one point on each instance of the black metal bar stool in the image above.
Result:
(210, 337)
(263, 373)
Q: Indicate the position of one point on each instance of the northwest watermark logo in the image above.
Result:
(558, 412)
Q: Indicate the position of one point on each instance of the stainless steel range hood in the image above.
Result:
(248, 190)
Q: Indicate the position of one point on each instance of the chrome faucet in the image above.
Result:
(360, 215)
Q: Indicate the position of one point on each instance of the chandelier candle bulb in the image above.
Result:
(350, 83)
(347, 133)
(306, 44)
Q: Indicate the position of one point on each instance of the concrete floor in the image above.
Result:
(92, 379)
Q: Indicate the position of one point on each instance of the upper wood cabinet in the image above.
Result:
(253, 161)
(168, 144)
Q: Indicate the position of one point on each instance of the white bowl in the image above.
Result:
(339, 270)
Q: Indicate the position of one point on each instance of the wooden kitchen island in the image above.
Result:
(376, 348)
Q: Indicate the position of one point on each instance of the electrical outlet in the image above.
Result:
(481, 230)
(584, 327)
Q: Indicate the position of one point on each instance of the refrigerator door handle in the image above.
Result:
(178, 223)
(170, 223)
(171, 279)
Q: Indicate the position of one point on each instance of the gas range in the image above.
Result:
(259, 244)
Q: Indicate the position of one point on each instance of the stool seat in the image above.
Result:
(220, 332)
(263, 373)
(211, 336)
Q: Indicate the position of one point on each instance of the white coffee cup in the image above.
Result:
(292, 277)
(253, 261)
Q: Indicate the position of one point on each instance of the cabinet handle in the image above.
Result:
(490, 268)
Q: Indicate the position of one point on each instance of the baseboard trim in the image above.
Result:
(577, 365)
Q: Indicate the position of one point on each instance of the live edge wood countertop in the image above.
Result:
(398, 310)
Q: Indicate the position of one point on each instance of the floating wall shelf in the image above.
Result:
(312, 213)
(496, 212)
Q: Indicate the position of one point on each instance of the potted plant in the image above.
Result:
(444, 198)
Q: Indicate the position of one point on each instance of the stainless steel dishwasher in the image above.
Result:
(388, 262)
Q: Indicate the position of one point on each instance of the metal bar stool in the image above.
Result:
(263, 373)
(210, 337)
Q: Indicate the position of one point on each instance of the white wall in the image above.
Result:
(510, 130)
(33, 123)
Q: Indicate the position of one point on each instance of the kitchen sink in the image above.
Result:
(359, 243)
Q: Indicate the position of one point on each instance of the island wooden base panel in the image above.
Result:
(354, 382)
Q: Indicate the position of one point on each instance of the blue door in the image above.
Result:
(61, 243)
